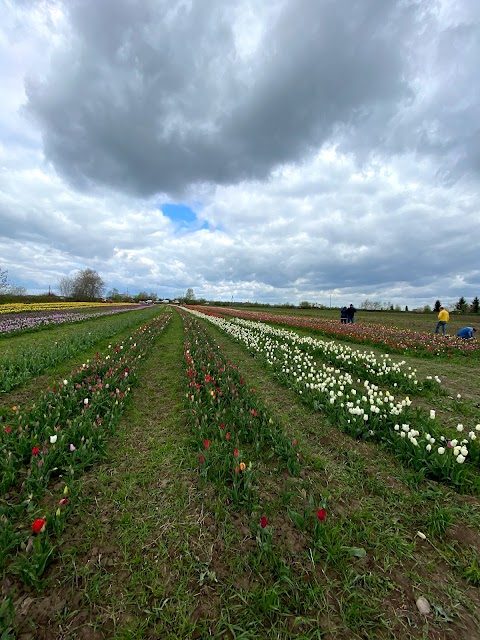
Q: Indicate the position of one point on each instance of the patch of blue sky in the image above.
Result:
(183, 216)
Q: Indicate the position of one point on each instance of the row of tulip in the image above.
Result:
(390, 339)
(44, 449)
(16, 323)
(20, 307)
(235, 436)
(17, 369)
(379, 369)
(364, 411)
(228, 416)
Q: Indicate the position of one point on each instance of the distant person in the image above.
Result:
(443, 318)
(351, 314)
(343, 315)
(466, 333)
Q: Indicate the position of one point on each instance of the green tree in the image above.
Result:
(474, 307)
(113, 294)
(305, 305)
(461, 305)
(189, 295)
(437, 306)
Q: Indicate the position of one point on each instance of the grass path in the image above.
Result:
(152, 554)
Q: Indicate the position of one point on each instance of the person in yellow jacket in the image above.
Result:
(443, 318)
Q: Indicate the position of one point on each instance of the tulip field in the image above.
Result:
(200, 472)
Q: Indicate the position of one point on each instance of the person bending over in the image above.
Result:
(466, 333)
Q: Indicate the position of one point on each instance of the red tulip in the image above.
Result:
(39, 525)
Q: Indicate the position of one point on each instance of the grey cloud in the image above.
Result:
(148, 98)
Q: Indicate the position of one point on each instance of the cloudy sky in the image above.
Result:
(272, 151)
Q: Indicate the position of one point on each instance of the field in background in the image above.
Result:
(403, 320)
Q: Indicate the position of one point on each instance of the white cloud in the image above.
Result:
(326, 152)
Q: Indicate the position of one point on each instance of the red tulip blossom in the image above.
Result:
(235, 453)
(321, 514)
(35, 451)
(206, 443)
(39, 525)
(263, 522)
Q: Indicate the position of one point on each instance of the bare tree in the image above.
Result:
(65, 286)
(189, 295)
(15, 290)
(3, 281)
(6, 287)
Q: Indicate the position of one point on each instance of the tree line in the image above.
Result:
(462, 305)
(88, 285)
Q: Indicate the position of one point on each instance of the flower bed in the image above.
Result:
(362, 410)
(380, 370)
(390, 339)
(15, 323)
(15, 370)
(20, 307)
(44, 449)
(231, 426)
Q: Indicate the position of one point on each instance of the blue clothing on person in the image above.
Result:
(466, 332)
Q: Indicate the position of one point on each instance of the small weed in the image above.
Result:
(438, 521)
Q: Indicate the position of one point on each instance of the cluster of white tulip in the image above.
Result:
(357, 402)
(382, 368)
(325, 382)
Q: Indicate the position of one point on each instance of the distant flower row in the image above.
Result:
(391, 339)
(23, 364)
(15, 322)
(21, 307)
